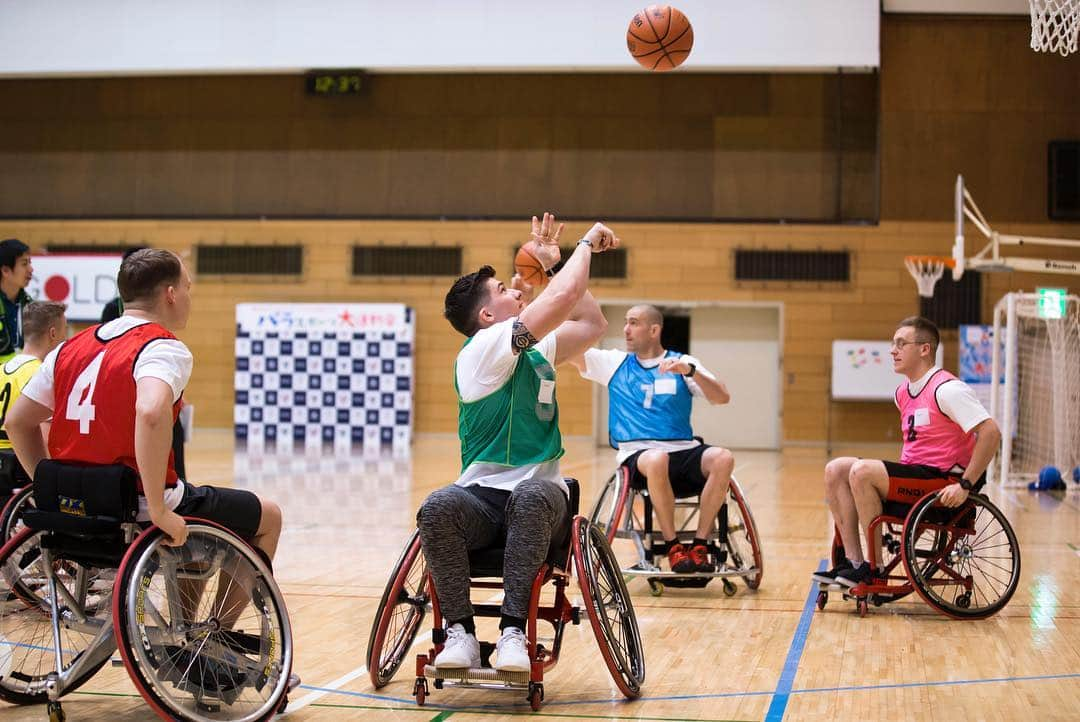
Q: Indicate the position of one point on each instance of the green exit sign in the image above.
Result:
(1052, 302)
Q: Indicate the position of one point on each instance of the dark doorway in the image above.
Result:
(675, 335)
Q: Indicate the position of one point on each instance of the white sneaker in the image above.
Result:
(512, 651)
(461, 650)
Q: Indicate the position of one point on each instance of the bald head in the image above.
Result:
(649, 314)
(642, 330)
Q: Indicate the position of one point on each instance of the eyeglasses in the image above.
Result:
(900, 343)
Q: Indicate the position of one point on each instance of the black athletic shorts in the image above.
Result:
(684, 471)
(237, 510)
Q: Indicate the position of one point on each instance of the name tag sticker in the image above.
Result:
(547, 391)
(664, 386)
(922, 417)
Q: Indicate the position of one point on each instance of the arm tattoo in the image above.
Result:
(521, 338)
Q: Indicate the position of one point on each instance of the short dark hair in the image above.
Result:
(134, 249)
(923, 327)
(143, 272)
(10, 250)
(39, 316)
(465, 298)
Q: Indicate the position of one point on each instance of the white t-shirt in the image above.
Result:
(601, 365)
(956, 399)
(165, 359)
(484, 365)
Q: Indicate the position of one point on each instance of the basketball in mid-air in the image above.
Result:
(529, 267)
(660, 38)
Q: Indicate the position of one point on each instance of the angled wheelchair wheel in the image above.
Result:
(11, 517)
(399, 615)
(964, 562)
(609, 607)
(27, 654)
(741, 538)
(202, 628)
(607, 512)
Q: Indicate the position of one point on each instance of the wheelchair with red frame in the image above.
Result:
(963, 561)
(201, 628)
(624, 511)
(410, 593)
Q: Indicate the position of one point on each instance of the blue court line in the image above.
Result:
(791, 664)
(717, 695)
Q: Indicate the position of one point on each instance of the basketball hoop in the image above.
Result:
(926, 270)
(1055, 25)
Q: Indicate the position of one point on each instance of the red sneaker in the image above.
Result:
(699, 554)
(679, 560)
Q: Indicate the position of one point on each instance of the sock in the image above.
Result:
(468, 623)
(668, 543)
(508, 621)
(701, 542)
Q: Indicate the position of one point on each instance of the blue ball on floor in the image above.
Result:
(1049, 480)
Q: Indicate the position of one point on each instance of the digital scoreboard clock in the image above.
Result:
(335, 82)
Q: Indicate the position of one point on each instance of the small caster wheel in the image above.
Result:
(438, 684)
(536, 696)
(862, 606)
(420, 691)
(729, 588)
(822, 599)
(56, 712)
(964, 600)
(575, 615)
(656, 588)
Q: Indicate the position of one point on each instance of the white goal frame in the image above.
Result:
(1003, 394)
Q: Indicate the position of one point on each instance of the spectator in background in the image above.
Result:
(15, 274)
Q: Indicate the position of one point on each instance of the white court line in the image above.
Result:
(325, 689)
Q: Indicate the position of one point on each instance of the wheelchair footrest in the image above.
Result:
(480, 676)
(683, 582)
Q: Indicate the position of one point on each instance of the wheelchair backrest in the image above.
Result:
(80, 499)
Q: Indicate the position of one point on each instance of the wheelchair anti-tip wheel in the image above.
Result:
(609, 607)
(202, 628)
(399, 615)
(27, 655)
(965, 561)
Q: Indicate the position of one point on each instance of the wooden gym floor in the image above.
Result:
(754, 656)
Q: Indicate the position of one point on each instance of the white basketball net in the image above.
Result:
(926, 273)
(1055, 25)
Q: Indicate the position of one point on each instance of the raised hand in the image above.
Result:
(602, 238)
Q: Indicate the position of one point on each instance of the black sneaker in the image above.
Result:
(854, 577)
(830, 576)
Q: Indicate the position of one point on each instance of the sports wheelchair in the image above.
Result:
(963, 561)
(201, 629)
(623, 510)
(410, 593)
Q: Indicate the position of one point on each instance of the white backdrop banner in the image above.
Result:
(863, 370)
(84, 282)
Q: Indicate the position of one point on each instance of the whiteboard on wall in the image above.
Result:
(863, 370)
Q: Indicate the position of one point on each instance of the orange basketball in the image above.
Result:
(660, 38)
(529, 267)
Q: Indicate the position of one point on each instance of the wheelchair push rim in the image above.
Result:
(10, 518)
(399, 615)
(609, 607)
(964, 562)
(744, 544)
(610, 505)
(174, 656)
(27, 655)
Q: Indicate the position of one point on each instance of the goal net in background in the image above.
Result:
(1036, 401)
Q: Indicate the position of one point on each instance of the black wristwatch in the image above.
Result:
(692, 371)
(555, 269)
(965, 484)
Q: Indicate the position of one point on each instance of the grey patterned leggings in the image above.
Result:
(455, 520)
